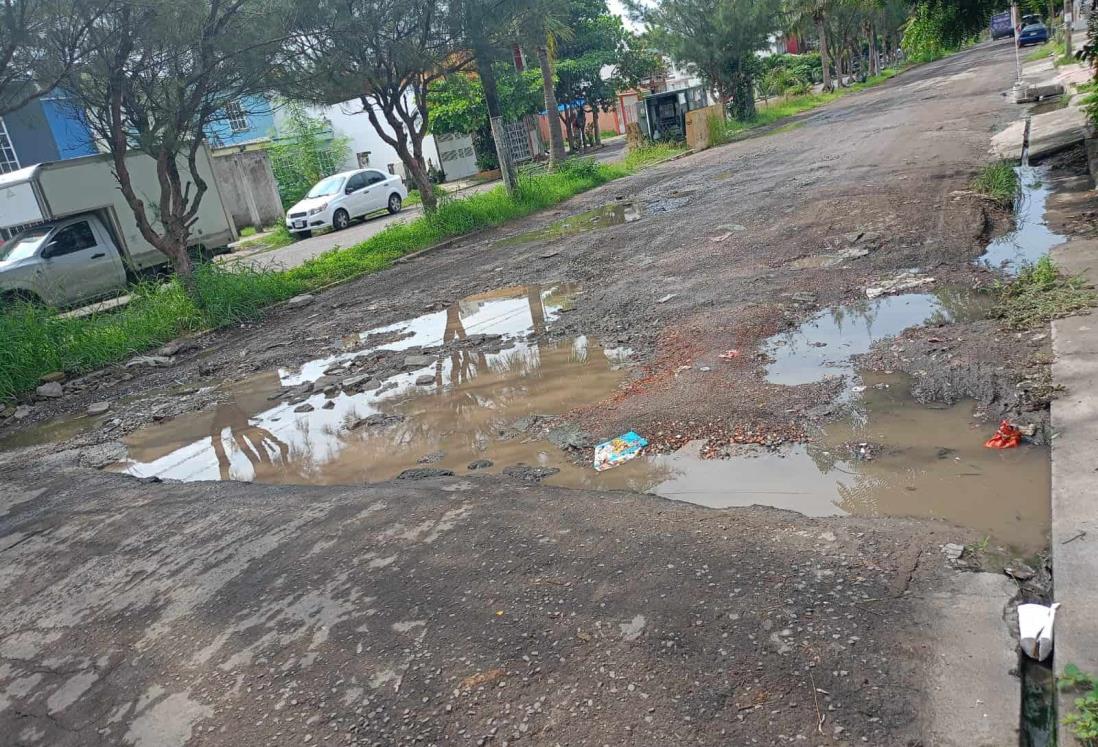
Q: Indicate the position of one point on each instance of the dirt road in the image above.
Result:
(498, 609)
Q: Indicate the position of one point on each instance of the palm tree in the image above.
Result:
(556, 137)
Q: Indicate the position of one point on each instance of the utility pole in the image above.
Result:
(1068, 21)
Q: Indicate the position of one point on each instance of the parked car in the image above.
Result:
(337, 200)
(75, 237)
(1034, 33)
(1001, 26)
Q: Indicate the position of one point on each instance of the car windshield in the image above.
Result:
(1033, 27)
(329, 186)
(23, 245)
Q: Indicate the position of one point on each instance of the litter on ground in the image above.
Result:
(1035, 629)
(1007, 437)
(617, 450)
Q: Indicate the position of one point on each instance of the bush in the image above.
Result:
(1039, 294)
(932, 32)
(999, 181)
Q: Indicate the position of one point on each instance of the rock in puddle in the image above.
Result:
(526, 473)
(306, 407)
(425, 380)
(377, 420)
(418, 361)
(479, 464)
(433, 458)
(424, 473)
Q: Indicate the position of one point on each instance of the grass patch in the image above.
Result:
(648, 155)
(35, 341)
(999, 182)
(273, 238)
(789, 106)
(1041, 293)
(414, 197)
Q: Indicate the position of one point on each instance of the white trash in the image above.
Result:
(1035, 629)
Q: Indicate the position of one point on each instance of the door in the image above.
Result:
(80, 265)
(356, 199)
(376, 195)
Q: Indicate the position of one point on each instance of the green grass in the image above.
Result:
(648, 155)
(35, 341)
(1041, 293)
(999, 182)
(273, 237)
(789, 106)
(414, 197)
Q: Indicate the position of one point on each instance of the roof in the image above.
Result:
(26, 174)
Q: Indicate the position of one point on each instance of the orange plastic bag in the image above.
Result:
(1007, 437)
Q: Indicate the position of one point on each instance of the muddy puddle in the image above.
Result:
(463, 405)
(824, 345)
(615, 214)
(1031, 237)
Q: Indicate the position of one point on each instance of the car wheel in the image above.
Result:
(394, 203)
(341, 219)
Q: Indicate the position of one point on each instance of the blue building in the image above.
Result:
(46, 129)
(249, 121)
(51, 129)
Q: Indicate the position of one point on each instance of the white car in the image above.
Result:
(335, 201)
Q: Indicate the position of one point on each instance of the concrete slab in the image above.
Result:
(1073, 75)
(1007, 144)
(973, 700)
(1054, 131)
(1074, 483)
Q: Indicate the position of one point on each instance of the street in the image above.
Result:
(359, 231)
(226, 558)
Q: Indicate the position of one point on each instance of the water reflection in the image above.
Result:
(823, 345)
(1031, 238)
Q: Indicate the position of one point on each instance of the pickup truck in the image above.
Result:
(75, 239)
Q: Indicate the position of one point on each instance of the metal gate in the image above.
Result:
(518, 140)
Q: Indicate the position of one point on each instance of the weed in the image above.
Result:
(649, 154)
(415, 198)
(247, 231)
(274, 237)
(1083, 721)
(1041, 293)
(999, 181)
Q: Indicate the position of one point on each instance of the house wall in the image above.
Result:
(71, 133)
(350, 120)
(248, 188)
(30, 135)
(259, 118)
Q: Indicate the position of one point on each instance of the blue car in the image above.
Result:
(1033, 33)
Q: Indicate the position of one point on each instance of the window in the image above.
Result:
(238, 120)
(374, 177)
(356, 182)
(72, 239)
(8, 160)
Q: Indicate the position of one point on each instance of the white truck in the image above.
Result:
(75, 238)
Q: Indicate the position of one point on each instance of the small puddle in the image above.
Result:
(824, 345)
(1031, 237)
(614, 214)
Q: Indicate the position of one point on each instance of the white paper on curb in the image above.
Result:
(1035, 629)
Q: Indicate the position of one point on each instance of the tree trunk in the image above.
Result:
(874, 61)
(595, 134)
(412, 160)
(567, 116)
(825, 60)
(491, 98)
(556, 139)
(743, 96)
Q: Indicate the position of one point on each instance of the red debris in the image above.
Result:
(1007, 437)
(729, 355)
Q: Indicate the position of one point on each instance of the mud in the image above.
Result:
(321, 611)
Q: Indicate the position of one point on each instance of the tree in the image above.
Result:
(717, 38)
(305, 152)
(386, 54)
(40, 42)
(807, 17)
(597, 38)
(458, 104)
(159, 74)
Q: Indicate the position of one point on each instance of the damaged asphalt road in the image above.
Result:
(489, 610)
(457, 611)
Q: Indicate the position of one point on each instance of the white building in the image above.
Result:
(453, 153)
